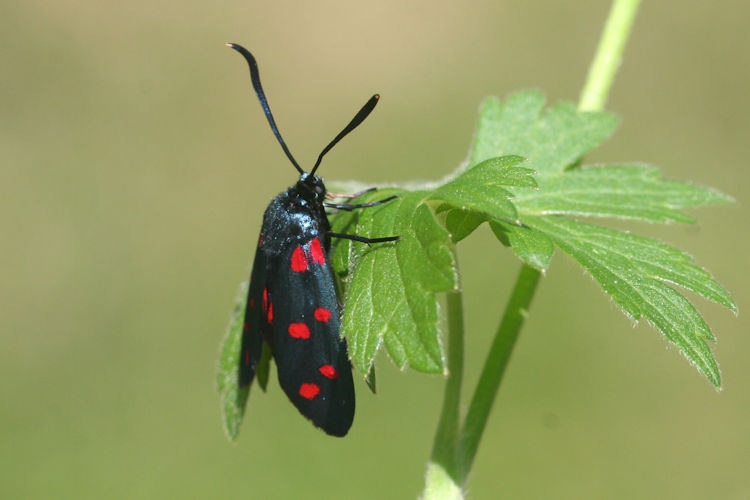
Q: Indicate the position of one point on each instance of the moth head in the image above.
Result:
(312, 187)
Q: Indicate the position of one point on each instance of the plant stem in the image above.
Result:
(494, 366)
(608, 55)
(443, 478)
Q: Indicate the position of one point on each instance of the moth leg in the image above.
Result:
(331, 196)
(348, 207)
(362, 239)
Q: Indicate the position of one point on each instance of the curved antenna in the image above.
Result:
(358, 118)
(255, 77)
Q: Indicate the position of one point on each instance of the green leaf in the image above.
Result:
(233, 399)
(634, 270)
(391, 298)
(498, 171)
(550, 142)
(371, 381)
(533, 247)
(476, 195)
(480, 190)
(625, 191)
(263, 366)
(459, 223)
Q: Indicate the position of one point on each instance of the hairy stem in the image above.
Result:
(443, 471)
(495, 365)
(608, 55)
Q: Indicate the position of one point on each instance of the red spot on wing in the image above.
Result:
(329, 372)
(270, 313)
(299, 261)
(252, 303)
(322, 314)
(247, 356)
(299, 331)
(244, 326)
(316, 250)
(265, 299)
(308, 391)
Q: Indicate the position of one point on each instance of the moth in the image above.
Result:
(292, 304)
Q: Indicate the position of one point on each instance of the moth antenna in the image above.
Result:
(358, 118)
(255, 77)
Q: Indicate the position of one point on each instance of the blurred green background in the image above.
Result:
(135, 168)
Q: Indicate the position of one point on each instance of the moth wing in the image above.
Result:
(311, 357)
(255, 325)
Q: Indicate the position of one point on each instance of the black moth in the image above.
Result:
(292, 303)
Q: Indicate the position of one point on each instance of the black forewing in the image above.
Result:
(311, 357)
(255, 318)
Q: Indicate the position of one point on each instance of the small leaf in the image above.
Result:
(626, 191)
(263, 366)
(391, 296)
(479, 188)
(459, 223)
(233, 399)
(370, 380)
(633, 270)
(550, 142)
(476, 194)
(499, 171)
(533, 247)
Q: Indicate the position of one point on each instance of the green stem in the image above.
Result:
(494, 366)
(443, 478)
(594, 95)
(608, 55)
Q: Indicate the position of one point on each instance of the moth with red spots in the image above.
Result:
(292, 303)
